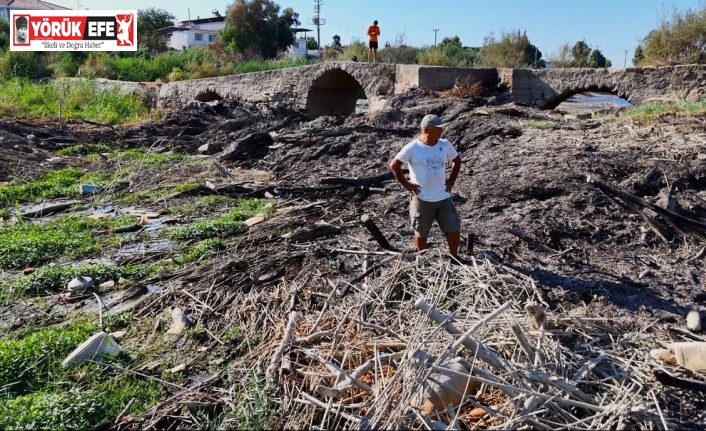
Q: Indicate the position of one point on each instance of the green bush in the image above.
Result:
(78, 99)
(678, 40)
(21, 64)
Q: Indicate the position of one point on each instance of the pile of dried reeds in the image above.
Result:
(361, 361)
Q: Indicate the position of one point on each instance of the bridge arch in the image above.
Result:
(566, 94)
(334, 91)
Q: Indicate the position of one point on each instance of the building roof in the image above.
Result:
(176, 28)
(204, 20)
(31, 4)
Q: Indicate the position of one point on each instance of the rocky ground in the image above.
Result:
(600, 219)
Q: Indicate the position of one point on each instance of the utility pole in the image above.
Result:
(625, 61)
(435, 31)
(318, 22)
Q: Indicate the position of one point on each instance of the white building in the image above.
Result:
(298, 49)
(7, 5)
(195, 32)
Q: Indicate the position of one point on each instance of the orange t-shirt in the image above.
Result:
(373, 33)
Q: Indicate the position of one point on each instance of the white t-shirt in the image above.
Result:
(427, 167)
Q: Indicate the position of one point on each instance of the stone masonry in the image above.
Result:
(334, 87)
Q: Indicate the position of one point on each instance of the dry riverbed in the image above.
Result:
(234, 270)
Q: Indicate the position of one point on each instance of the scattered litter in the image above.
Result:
(98, 345)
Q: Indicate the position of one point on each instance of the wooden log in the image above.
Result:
(376, 233)
(358, 182)
(51, 209)
(668, 379)
(313, 233)
(607, 188)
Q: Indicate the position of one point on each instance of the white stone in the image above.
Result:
(179, 322)
(693, 321)
(107, 285)
(99, 344)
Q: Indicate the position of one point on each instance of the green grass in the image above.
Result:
(253, 408)
(38, 393)
(49, 280)
(28, 362)
(62, 183)
(538, 124)
(85, 149)
(70, 100)
(230, 223)
(29, 244)
(203, 248)
(141, 157)
(649, 114)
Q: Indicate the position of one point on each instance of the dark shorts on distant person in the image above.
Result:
(424, 213)
(373, 45)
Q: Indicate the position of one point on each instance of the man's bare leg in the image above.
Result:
(370, 55)
(453, 240)
(420, 243)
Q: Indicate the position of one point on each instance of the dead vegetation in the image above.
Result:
(583, 247)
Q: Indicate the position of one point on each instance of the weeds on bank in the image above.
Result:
(38, 393)
(204, 248)
(49, 280)
(649, 114)
(29, 244)
(229, 224)
(70, 100)
(538, 124)
(62, 183)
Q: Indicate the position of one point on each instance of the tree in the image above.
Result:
(311, 43)
(149, 21)
(638, 57)
(597, 60)
(512, 50)
(680, 39)
(336, 41)
(256, 28)
(452, 41)
(4, 34)
(580, 53)
(562, 58)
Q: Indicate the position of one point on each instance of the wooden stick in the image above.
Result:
(474, 346)
(375, 232)
(286, 340)
(519, 390)
(639, 201)
(333, 367)
(668, 379)
(358, 182)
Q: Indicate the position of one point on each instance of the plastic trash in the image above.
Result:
(691, 355)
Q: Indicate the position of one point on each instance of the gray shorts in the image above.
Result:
(424, 213)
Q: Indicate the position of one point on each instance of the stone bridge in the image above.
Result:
(330, 87)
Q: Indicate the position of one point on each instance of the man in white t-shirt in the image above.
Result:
(426, 157)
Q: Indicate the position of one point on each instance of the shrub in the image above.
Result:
(20, 64)
(678, 40)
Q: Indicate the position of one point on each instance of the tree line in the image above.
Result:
(261, 29)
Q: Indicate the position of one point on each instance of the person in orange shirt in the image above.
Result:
(373, 33)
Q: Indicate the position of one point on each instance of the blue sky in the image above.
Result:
(612, 26)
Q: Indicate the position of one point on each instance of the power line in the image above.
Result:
(318, 22)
